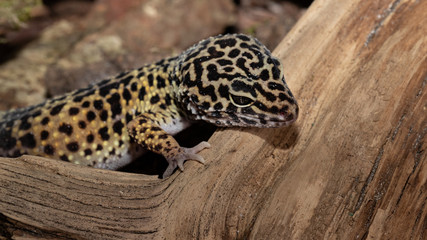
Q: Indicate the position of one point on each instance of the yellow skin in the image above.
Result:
(227, 80)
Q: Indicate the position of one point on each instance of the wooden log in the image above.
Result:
(352, 167)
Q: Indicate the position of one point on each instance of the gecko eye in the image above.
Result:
(241, 101)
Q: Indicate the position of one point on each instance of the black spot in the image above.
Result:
(90, 138)
(268, 95)
(241, 64)
(25, 125)
(218, 106)
(260, 62)
(78, 99)
(234, 53)
(86, 104)
(276, 72)
(134, 87)
(209, 90)
(264, 75)
(161, 83)
(82, 124)
(247, 55)
(73, 146)
(155, 129)
(168, 100)
(121, 143)
(117, 127)
(150, 79)
(28, 140)
(73, 111)
(274, 86)
(284, 97)
(103, 132)
(88, 152)
(126, 95)
(55, 110)
(163, 136)
(212, 72)
(274, 109)
(98, 104)
(112, 152)
(243, 37)
(194, 98)
(205, 105)
(260, 106)
(49, 149)
(44, 135)
(224, 62)
(214, 53)
(228, 69)
(45, 121)
(223, 43)
(90, 116)
(241, 86)
(284, 109)
(158, 147)
(128, 117)
(66, 128)
(103, 115)
(126, 80)
(99, 147)
(140, 74)
(142, 93)
(116, 107)
(103, 91)
(162, 106)
(187, 80)
(154, 99)
(64, 158)
(7, 142)
(223, 91)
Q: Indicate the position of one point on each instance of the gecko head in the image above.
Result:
(233, 80)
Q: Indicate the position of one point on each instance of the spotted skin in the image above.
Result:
(227, 80)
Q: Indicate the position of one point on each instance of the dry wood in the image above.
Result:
(352, 167)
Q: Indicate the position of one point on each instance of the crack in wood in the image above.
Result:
(370, 178)
(383, 17)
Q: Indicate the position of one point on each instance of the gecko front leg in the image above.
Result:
(146, 132)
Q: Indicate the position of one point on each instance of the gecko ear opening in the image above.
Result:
(241, 101)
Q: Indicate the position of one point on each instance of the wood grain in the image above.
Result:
(352, 167)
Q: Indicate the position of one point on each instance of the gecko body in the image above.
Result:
(227, 80)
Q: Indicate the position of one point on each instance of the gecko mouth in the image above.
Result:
(243, 120)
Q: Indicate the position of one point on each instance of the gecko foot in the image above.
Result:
(185, 154)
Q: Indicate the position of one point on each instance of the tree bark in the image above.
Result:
(352, 167)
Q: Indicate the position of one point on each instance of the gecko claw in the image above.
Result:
(185, 154)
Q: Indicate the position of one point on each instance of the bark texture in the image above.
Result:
(352, 167)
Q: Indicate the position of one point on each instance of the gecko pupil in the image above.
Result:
(241, 101)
